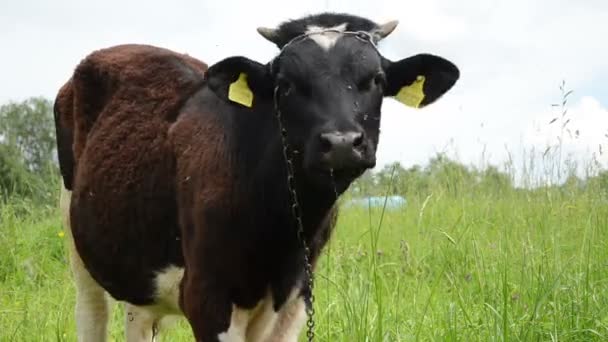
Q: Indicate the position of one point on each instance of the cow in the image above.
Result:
(179, 178)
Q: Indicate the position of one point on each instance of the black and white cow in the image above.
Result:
(175, 180)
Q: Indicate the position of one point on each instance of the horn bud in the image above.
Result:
(385, 29)
(268, 33)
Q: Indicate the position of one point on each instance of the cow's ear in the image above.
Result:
(419, 80)
(241, 81)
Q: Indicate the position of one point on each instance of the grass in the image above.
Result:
(475, 265)
(515, 267)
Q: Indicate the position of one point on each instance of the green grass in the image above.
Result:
(516, 267)
(478, 264)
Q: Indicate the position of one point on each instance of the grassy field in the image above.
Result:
(476, 265)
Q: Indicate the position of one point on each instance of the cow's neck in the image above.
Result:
(315, 201)
(265, 169)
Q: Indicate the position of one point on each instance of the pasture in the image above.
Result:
(456, 263)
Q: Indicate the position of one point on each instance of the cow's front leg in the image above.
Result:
(211, 315)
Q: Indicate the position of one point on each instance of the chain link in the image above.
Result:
(296, 212)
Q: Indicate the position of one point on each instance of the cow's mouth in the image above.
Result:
(337, 180)
(336, 172)
(346, 174)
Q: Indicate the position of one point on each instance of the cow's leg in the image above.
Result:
(92, 306)
(218, 324)
(290, 320)
(239, 319)
(262, 322)
(210, 314)
(141, 324)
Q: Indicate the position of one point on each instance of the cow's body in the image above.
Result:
(156, 157)
(177, 189)
(124, 187)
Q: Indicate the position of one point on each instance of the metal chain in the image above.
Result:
(296, 211)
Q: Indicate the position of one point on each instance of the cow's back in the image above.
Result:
(113, 117)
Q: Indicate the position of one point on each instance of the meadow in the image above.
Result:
(459, 262)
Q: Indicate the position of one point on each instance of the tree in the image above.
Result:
(27, 146)
(447, 174)
(28, 126)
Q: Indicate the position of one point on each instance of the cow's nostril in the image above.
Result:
(342, 150)
(340, 143)
(326, 143)
(358, 141)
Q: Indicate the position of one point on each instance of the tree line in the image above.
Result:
(29, 168)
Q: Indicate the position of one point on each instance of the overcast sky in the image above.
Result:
(513, 55)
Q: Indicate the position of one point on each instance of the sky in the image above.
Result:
(513, 56)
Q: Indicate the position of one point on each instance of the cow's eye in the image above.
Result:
(288, 85)
(372, 81)
(380, 79)
(303, 86)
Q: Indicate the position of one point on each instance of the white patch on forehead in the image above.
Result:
(326, 37)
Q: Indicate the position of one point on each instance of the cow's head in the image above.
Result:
(328, 82)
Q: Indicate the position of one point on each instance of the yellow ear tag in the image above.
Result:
(413, 94)
(239, 91)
